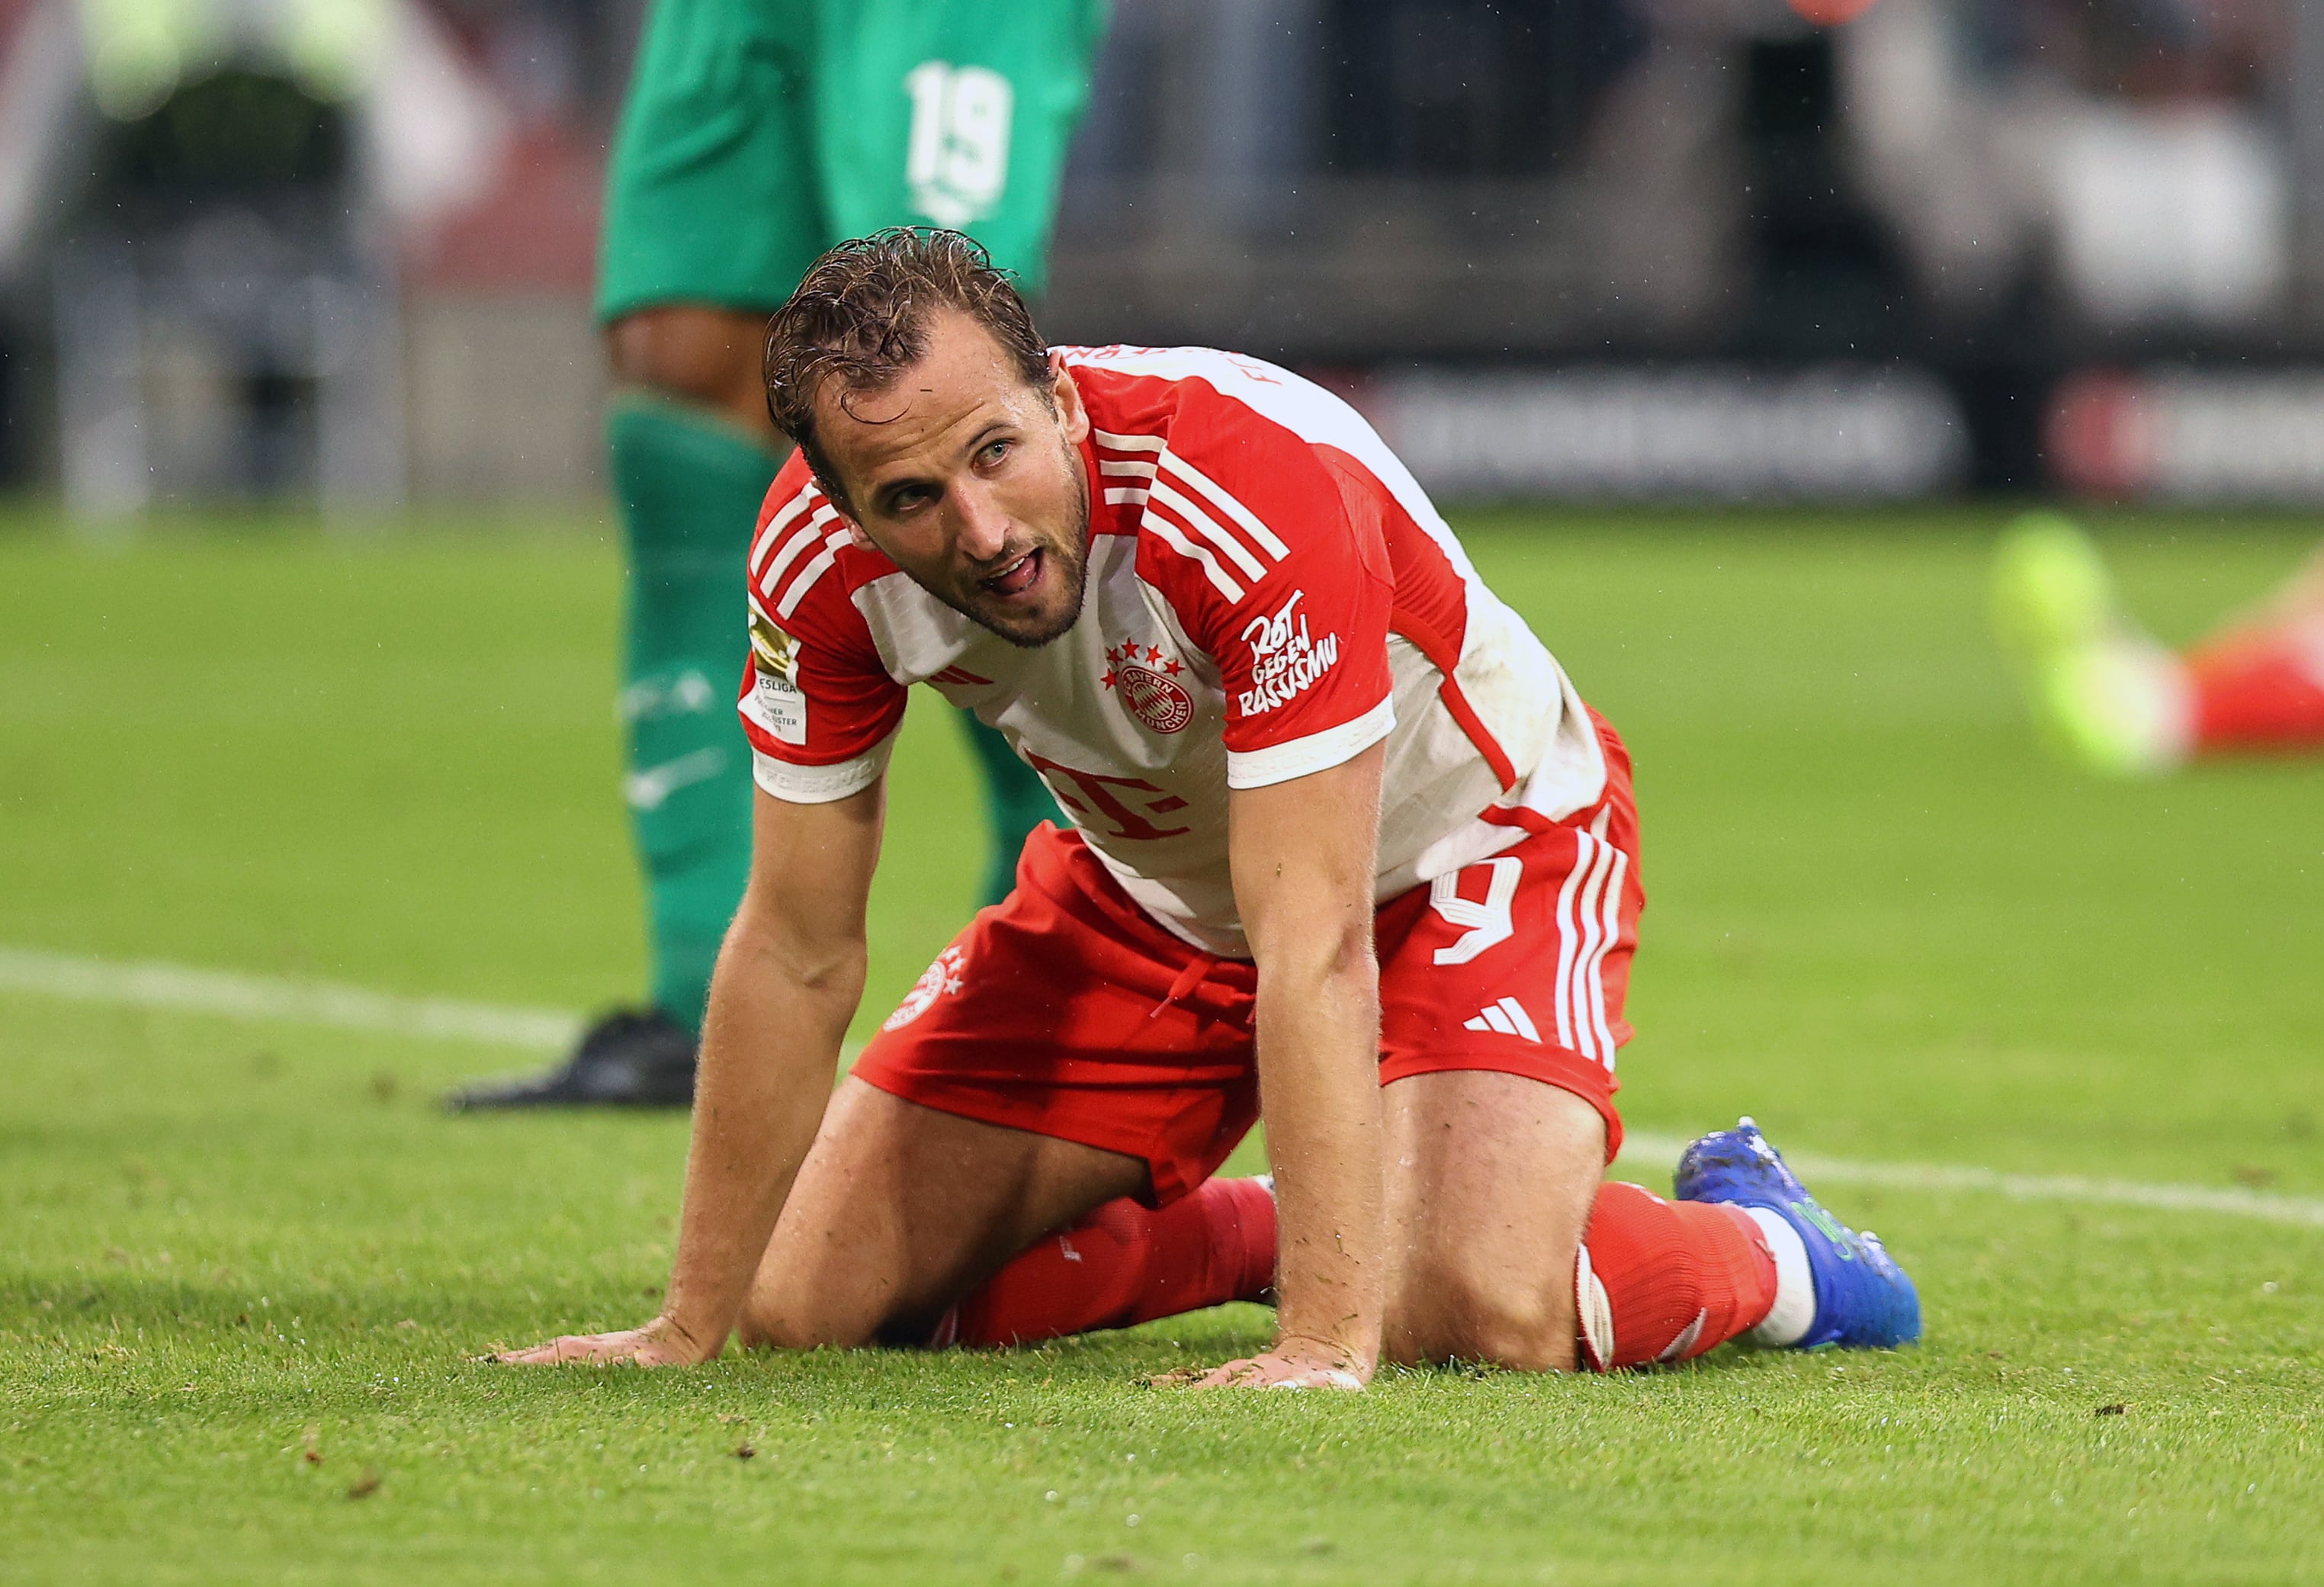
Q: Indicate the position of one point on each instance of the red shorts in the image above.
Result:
(1066, 1011)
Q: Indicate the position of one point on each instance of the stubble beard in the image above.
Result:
(1072, 561)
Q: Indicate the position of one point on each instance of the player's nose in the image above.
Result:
(983, 525)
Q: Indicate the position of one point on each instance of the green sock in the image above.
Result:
(1016, 801)
(688, 486)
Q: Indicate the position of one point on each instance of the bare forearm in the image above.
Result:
(770, 1050)
(1304, 854)
(1319, 1091)
(788, 978)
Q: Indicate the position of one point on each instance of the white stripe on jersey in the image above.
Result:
(1596, 971)
(1203, 524)
(1171, 536)
(803, 536)
(1131, 495)
(782, 520)
(1122, 443)
(1250, 557)
(1589, 1025)
(1565, 944)
(1275, 549)
(811, 572)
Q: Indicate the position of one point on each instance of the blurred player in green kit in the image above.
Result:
(756, 134)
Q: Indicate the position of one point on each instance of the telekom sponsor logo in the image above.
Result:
(1094, 799)
(1285, 661)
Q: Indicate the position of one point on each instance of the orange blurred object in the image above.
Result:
(1830, 13)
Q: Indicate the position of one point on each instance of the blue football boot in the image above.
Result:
(1863, 1300)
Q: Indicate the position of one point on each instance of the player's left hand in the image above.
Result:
(1294, 1363)
(657, 1344)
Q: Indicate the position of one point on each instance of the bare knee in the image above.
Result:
(804, 1305)
(796, 1302)
(773, 1321)
(694, 352)
(764, 1326)
(1463, 1318)
(1537, 1338)
(765, 1330)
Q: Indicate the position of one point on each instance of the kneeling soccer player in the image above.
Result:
(1348, 852)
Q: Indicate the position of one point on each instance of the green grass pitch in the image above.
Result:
(244, 1268)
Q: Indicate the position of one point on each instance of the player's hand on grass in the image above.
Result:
(659, 1343)
(1294, 1363)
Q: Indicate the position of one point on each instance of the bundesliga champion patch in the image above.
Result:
(775, 663)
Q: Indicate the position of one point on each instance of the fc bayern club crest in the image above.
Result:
(940, 979)
(1142, 674)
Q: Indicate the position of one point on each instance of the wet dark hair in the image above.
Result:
(861, 316)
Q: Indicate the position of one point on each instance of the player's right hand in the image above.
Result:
(1294, 1363)
(659, 1343)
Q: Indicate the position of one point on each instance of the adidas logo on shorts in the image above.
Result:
(1508, 1016)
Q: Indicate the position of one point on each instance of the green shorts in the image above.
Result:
(759, 133)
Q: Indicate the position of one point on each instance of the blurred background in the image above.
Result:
(1733, 335)
(339, 251)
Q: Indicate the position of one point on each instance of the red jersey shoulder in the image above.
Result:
(1248, 532)
(1237, 506)
(815, 690)
(803, 553)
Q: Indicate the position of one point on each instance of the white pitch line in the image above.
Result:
(1662, 1150)
(183, 989)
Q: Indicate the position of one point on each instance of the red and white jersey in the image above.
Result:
(1269, 594)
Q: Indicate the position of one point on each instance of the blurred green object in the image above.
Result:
(2051, 590)
(756, 133)
(685, 479)
(1877, 919)
(2102, 694)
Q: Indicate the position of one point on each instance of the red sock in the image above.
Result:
(2259, 691)
(1666, 1281)
(1126, 1265)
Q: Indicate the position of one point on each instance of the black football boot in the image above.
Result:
(632, 1059)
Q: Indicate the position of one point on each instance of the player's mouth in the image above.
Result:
(1019, 578)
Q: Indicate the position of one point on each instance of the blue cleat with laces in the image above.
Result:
(1833, 1287)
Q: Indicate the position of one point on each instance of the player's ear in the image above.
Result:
(855, 535)
(1065, 397)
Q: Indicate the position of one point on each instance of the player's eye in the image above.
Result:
(992, 454)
